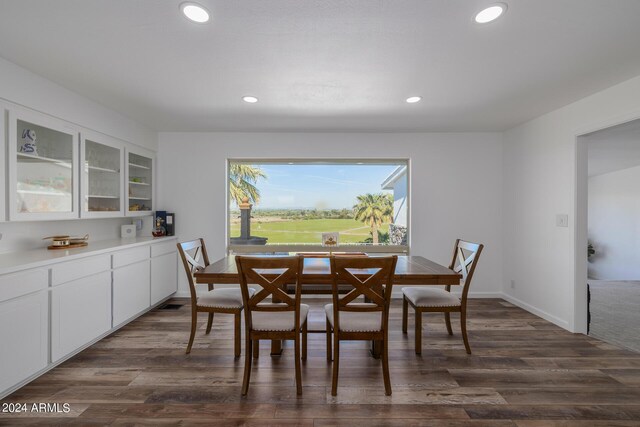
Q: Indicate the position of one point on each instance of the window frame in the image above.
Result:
(288, 248)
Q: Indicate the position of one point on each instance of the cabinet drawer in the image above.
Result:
(130, 256)
(163, 248)
(80, 312)
(72, 270)
(23, 283)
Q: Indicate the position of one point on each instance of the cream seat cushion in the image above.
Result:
(277, 320)
(357, 321)
(223, 298)
(426, 296)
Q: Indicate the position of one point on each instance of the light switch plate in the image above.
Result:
(562, 220)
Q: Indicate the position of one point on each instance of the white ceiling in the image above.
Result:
(326, 65)
(614, 149)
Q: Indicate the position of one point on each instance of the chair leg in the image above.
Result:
(405, 314)
(297, 365)
(247, 363)
(209, 323)
(256, 349)
(385, 367)
(328, 326)
(236, 334)
(304, 340)
(463, 326)
(447, 320)
(194, 322)
(418, 331)
(336, 364)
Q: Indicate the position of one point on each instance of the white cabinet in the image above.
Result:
(131, 291)
(80, 312)
(102, 168)
(24, 326)
(50, 311)
(43, 167)
(53, 169)
(139, 178)
(164, 276)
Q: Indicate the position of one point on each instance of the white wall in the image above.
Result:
(456, 185)
(614, 225)
(24, 88)
(540, 181)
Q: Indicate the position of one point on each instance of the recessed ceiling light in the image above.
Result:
(414, 99)
(250, 99)
(195, 12)
(490, 13)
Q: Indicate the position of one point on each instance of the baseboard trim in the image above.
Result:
(533, 310)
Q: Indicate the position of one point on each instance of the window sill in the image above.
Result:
(272, 249)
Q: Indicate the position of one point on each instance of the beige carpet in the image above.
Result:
(614, 309)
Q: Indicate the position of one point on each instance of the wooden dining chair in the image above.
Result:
(194, 258)
(429, 299)
(346, 319)
(284, 318)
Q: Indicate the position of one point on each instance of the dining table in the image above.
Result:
(316, 275)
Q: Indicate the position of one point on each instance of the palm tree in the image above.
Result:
(242, 180)
(374, 210)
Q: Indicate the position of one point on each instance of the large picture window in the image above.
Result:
(298, 205)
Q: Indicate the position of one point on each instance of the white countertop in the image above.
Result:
(15, 261)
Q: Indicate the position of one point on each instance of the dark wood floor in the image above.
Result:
(524, 372)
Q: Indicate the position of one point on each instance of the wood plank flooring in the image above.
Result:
(524, 372)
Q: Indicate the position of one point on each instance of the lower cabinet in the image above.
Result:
(24, 337)
(131, 291)
(48, 313)
(164, 276)
(80, 312)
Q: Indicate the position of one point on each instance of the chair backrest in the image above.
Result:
(272, 274)
(371, 277)
(465, 259)
(194, 258)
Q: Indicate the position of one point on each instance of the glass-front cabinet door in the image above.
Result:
(139, 182)
(43, 167)
(102, 184)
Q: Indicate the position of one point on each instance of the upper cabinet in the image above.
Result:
(55, 170)
(43, 167)
(139, 180)
(102, 168)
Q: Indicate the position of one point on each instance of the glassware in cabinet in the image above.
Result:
(140, 183)
(102, 177)
(43, 172)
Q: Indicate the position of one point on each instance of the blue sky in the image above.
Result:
(319, 186)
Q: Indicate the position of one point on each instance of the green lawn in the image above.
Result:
(307, 231)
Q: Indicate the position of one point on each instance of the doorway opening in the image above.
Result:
(608, 234)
